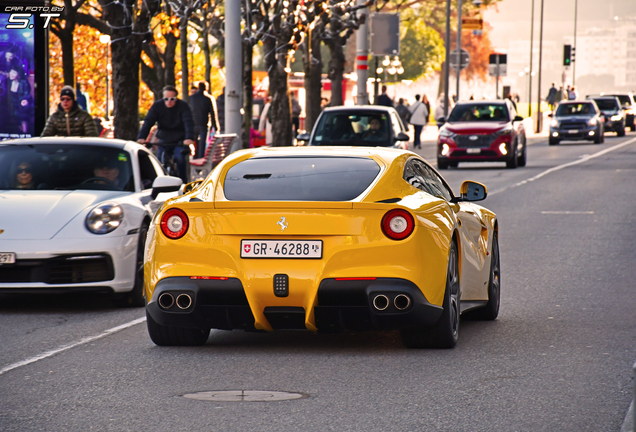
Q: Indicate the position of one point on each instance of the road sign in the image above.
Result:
(459, 61)
(385, 34)
(498, 65)
(472, 24)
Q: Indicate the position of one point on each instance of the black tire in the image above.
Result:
(621, 132)
(136, 297)
(598, 138)
(521, 160)
(491, 310)
(444, 333)
(453, 164)
(553, 141)
(442, 164)
(175, 336)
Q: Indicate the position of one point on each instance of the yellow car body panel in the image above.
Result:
(354, 245)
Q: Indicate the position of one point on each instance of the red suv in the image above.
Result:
(482, 132)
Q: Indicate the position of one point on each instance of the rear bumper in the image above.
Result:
(340, 305)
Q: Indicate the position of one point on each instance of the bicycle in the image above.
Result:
(167, 157)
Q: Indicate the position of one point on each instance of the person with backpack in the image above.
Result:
(419, 119)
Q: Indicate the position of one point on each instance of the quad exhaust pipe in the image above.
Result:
(401, 302)
(183, 301)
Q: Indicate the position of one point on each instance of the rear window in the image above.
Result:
(300, 178)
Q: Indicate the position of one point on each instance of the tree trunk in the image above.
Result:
(248, 92)
(68, 57)
(183, 38)
(313, 79)
(336, 70)
(279, 111)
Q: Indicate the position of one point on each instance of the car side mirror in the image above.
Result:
(550, 115)
(402, 137)
(440, 121)
(302, 137)
(518, 118)
(165, 184)
(472, 191)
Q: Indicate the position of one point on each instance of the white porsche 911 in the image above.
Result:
(74, 213)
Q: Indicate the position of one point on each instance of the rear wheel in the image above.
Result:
(445, 332)
(175, 336)
(491, 310)
(553, 141)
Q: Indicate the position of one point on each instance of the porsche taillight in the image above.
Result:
(174, 223)
(398, 224)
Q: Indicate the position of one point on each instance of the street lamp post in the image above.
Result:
(105, 39)
(576, 6)
(539, 125)
(193, 38)
(531, 73)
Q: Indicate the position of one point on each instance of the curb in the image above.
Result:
(628, 424)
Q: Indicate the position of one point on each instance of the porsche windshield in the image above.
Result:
(64, 167)
(300, 178)
(574, 109)
(366, 128)
(479, 112)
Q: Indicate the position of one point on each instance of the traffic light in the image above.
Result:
(573, 56)
(567, 55)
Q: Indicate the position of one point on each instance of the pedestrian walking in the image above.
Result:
(264, 125)
(419, 118)
(69, 119)
(512, 100)
(573, 94)
(427, 104)
(296, 110)
(384, 98)
(82, 98)
(552, 97)
(404, 113)
(220, 110)
(439, 110)
(175, 128)
(204, 116)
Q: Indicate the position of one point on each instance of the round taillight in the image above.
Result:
(398, 224)
(174, 223)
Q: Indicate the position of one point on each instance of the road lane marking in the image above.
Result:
(567, 212)
(566, 165)
(72, 345)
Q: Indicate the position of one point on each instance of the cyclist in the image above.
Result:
(175, 128)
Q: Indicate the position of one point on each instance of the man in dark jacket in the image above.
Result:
(203, 113)
(69, 119)
(175, 128)
(384, 98)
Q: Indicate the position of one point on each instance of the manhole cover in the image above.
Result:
(244, 396)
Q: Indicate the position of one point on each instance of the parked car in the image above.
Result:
(613, 113)
(74, 215)
(484, 131)
(575, 121)
(322, 239)
(363, 125)
(629, 105)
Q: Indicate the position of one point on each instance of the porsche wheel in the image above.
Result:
(491, 310)
(175, 336)
(135, 298)
(445, 332)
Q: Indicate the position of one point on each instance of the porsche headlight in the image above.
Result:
(554, 123)
(617, 117)
(592, 121)
(504, 131)
(104, 219)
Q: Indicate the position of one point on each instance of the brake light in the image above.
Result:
(174, 223)
(398, 224)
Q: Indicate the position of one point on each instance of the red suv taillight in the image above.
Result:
(398, 224)
(174, 223)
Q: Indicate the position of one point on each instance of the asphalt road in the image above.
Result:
(559, 357)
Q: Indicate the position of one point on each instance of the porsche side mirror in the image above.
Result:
(165, 184)
(472, 191)
(402, 137)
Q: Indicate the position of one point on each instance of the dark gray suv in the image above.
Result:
(613, 113)
(576, 120)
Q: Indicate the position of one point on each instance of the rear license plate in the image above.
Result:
(573, 131)
(473, 151)
(7, 258)
(281, 249)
